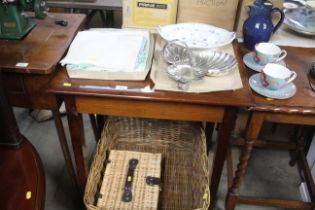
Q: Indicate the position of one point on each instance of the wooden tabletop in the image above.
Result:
(95, 5)
(143, 90)
(298, 59)
(42, 48)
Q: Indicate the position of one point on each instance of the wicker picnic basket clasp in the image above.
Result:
(150, 180)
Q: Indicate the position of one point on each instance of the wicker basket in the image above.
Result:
(185, 164)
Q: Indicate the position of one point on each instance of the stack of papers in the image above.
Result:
(108, 50)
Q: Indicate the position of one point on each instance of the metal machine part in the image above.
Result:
(15, 23)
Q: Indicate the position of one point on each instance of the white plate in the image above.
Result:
(249, 61)
(301, 20)
(283, 93)
(197, 35)
(290, 5)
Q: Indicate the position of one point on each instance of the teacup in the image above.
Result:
(275, 76)
(268, 53)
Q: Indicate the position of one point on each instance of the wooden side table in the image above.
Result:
(29, 64)
(300, 109)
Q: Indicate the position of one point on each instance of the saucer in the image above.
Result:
(250, 62)
(283, 93)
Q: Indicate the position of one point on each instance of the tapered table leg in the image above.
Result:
(221, 150)
(64, 146)
(77, 137)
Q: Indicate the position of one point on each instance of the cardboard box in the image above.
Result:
(244, 10)
(220, 13)
(149, 13)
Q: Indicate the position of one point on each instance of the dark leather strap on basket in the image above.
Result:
(150, 180)
(127, 195)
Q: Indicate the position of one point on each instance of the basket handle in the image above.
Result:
(127, 195)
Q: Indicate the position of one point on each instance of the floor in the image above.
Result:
(268, 173)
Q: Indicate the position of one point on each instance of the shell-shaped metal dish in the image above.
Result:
(175, 52)
(214, 63)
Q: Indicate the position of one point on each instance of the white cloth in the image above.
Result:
(114, 50)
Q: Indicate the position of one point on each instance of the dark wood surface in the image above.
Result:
(21, 169)
(96, 5)
(21, 172)
(108, 89)
(298, 59)
(42, 49)
(300, 109)
(103, 97)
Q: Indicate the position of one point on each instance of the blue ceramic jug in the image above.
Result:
(259, 27)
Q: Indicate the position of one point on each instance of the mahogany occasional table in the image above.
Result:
(107, 98)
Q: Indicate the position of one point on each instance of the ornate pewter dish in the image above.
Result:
(176, 51)
(214, 64)
(183, 74)
(187, 65)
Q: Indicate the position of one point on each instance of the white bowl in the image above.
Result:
(197, 35)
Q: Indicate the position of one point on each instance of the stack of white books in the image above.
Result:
(110, 54)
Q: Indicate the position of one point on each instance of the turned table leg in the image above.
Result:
(253, 129)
